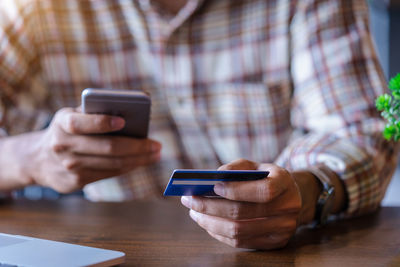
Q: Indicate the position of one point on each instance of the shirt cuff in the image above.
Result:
(323, 173)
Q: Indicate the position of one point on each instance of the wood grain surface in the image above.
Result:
(160, 233)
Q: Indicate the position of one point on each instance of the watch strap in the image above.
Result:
(324, 203)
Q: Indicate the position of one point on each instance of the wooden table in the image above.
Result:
(160, 233)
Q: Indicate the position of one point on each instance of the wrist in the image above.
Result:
(331, 180)
(310, 189)
(17, 154)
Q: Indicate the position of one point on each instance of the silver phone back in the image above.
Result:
(133, 106)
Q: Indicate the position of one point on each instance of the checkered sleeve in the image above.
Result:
(17, 67)
(336, 78)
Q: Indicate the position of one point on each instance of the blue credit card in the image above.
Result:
(201, 182)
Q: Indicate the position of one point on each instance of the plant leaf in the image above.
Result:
(394, 83)
(390, 109)
(383, 102)
(389, 131)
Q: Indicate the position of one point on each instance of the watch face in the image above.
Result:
(326, 204)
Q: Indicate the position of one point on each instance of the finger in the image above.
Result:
(259, 191)
(79, 162)
(73, 122)
(240, 164)
(245, 228)
(239, 210)
(262, 243)
(111, 145)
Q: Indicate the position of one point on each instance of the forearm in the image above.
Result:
(16, 156)
(364, 161)
(310, 189)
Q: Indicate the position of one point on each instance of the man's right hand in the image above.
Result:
(73, 151)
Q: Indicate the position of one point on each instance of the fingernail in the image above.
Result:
(186, 201)
(117, 123)
(219, 189)
(194, 215)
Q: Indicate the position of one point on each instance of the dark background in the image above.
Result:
(385, 26)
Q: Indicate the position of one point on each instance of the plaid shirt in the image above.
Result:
(290, 82)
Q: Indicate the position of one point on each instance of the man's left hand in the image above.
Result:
(261, 214)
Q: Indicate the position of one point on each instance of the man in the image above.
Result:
(278, 85)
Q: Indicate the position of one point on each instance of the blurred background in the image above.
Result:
(385, 26)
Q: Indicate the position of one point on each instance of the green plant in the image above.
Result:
(390, 107)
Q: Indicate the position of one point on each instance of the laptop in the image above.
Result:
(18, 250)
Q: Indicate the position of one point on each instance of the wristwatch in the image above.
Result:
(325, 200)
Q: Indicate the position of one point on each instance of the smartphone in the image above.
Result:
(133, 106)
(201, 182)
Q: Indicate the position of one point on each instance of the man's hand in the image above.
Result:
(260, 214)
(72, 151)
